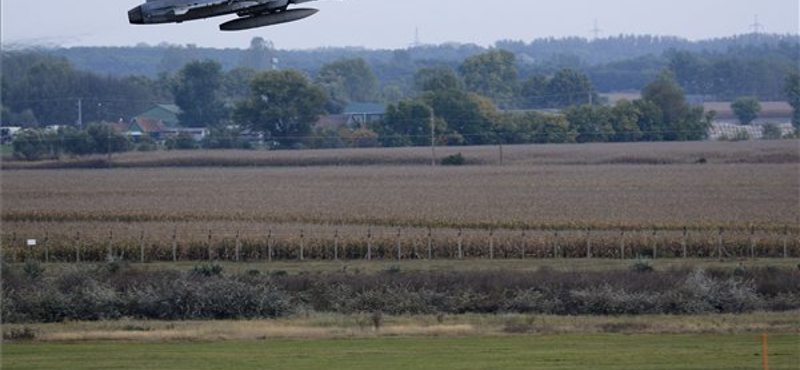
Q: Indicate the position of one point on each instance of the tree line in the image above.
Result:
(483, 100)
(614, 63)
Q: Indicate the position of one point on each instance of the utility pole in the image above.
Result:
(596, 30)
(108, 143)
(80, 113)
(757, 27)
(433, 140)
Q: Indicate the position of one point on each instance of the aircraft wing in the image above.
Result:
(180, 10)
(252, 13)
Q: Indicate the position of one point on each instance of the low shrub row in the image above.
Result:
(111, 291)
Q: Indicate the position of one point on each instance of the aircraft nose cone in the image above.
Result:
(135, 15)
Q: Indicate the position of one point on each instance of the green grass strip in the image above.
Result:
(607, 351)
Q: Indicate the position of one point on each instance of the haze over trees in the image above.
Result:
(468, 95)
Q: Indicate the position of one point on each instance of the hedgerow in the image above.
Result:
(95, 292)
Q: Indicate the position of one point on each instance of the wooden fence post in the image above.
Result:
(786, 242)
(622, 245)
(491, 244)
(336, 245)
(78, 247)
(369, 244)
(752, 242)
(175, 245)
(398, 246)
(238, 246)
(302, 246)
(588, 243)
(210, 257)
(430, 244)
(721, 244)
(685, 241)
(110, 244)
(13, 247)
(555, 244)
(269, 246)
(524, 244)
(46, 247)
(141, 248)
(460, 245)
(655, 244)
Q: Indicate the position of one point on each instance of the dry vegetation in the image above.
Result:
(322, 326)
(328, 210)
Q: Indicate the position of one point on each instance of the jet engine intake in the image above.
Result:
(136, 15)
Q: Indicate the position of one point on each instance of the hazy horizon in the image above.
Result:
(393, 24)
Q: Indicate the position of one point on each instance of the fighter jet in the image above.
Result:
(252, 13)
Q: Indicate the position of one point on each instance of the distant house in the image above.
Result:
(361, 114)
(355, 115)
(332, 122)
(197, 133)
(140, 127)
(166, 113)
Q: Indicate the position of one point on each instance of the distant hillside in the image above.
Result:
(151, 60)
(718, 69)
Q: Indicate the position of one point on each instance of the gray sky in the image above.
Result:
(392, 23)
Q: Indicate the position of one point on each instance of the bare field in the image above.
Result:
(754, 151)
(611, 188)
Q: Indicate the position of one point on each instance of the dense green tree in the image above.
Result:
(493, 75)
(569, 87)
(650, 120)
(197, 90)
(554, 129)
(435, 79)
(77, 142)
(534, 127)
(183, 141)
(691, 71)
(792, 92)
(593, 124)
(106, 140)
(746, 109)
(48, 89)
(282, 104)
(668, 96)
(533, 93)
(408, 123)
(469, 118)
(30, 145)
(625, 122)
(678, 121)
(223, 138)
(236, 84)
(346, 81)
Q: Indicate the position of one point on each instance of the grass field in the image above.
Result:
(607, 351)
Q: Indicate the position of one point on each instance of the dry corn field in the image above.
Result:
(608, 201)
